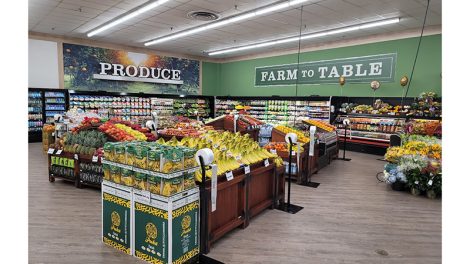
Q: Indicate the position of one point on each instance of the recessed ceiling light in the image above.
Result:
(230, 20)
(131, 14)
(306, 36)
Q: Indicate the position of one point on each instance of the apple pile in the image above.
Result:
(87, 123)
(115, 133)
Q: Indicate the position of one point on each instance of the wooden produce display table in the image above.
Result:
(240, 199)
(308, 165)
(66, 160)
(227, 125)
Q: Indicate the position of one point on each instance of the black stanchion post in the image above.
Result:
(290, 172)
(346, 123)
(204, 231)
(290, 208)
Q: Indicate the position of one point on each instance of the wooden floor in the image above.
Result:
(347, 219)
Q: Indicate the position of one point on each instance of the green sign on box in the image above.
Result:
(117, 216)
(61, 161)
(356, 70)
(166, 228)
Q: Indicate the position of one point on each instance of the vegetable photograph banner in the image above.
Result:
(94, 69)
(356, 70)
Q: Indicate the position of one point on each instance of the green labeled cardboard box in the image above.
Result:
(117, 216)
(166, 228)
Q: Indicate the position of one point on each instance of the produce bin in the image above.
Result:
(117, 216)
(166, 228)
(261, 190)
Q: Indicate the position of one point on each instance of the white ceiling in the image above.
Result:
(74, 18)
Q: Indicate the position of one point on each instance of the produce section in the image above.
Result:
(285, 110)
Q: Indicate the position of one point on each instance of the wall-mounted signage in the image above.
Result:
(355, 70)
(92, 68)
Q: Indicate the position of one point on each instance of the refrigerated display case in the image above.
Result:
(277, 110)
(130, 108)
(35, 115)
(55, 102)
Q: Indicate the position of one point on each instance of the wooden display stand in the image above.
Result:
(227, 125)
(308, 165)
(241, 198)
(78, 159)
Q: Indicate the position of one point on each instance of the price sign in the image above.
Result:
(214, 188)
(94, 159)
(247, 169)
(266, 162)
(293, 153)
(273, 151)
(58, 152)
(75, 156)
(50, 151)
(430, 182)
(229, 175)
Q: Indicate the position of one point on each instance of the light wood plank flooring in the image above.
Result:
(345, 220)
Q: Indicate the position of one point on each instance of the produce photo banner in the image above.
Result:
(99, 69)
(356, 70)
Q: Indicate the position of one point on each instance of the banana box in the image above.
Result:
(166, 228)
(117, 216)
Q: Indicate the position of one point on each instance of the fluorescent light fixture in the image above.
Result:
(131, 14)
(307, 36)
(230, 20)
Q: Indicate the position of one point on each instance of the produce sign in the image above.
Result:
(64, 162)
(92, 68)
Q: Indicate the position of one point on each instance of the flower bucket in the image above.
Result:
(431, 194)
(398, 186)
(415, 191)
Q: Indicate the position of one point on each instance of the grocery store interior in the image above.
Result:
(235, 131)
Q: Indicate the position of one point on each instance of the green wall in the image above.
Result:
(237, 78)
(210, 78)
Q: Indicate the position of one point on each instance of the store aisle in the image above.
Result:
(345, 220)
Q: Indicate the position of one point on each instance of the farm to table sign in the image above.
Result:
(92, 68)
(356, 70)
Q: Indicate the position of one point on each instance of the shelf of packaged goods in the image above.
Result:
(372, 115)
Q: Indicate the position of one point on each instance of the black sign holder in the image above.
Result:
(344, 144)
(288, 207)
(204, 228)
